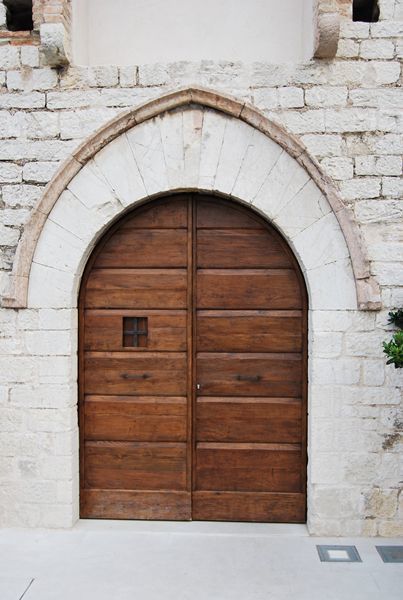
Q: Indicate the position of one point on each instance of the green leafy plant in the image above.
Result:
(396, 318)
(394, 350)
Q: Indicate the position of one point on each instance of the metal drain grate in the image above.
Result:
(338, 554)
(391, 554)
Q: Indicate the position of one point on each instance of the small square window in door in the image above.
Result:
(135, 332)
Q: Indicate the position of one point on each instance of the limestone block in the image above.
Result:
(373, 211)
(326, 96)
(55, 44)
(387, 29)
(52, 420)
(348, 48)
(310, 121)
(284, 181)
(43, 396)
(155, 74)
(377, 98)
(41, 125)
(23, 100)
(10, 173)
(35, 150)
(291, 97)
(332, 502)
(58, 516)
(32, 79)
(237, 139)
(146, 145)
(10, 125)
(9, 57)
(354, 29)
(368, 344)
(382, 165)
(171, 127)
(128, 76)
(392, 186)
(391, 528)
(192, 129)
(321, 243)
(336, 371)
(366, 74)
(388, 273)
(19, 370)
(373, 372)
(266, 98)
(334, 320)
(50, 319)
(303, 210)
(29, 56)
(386, 144)
(50, 288)
(78, 124)
(118, 165)
(73, 99)
(339, 168)
(8, 235)
(102, 76)
(332, 286)
(58, 248)
(375, 49)
(80, 222)
(365, 187)
(327, 345)
(323, 145)
(39, 172)
(260, 158)
(57, 369)
(48, 342)
(211, 142)
(127, 97)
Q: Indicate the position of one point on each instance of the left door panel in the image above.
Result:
(134, 384)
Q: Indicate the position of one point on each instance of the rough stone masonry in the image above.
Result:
(348, 113)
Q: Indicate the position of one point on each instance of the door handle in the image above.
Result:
(248, 377)
(129, 376)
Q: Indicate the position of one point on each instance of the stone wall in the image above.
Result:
(348, 112)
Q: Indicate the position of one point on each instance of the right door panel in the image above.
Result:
(250, 408)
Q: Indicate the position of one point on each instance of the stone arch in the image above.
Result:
(191, 139)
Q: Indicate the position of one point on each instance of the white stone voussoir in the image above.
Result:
(196, 140)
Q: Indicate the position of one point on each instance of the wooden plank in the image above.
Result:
(248, 467)
(249, 419)
(231, 289)
(104, 330)
(270, 375)
(132, 504)
(136, 288)
(148, 374)
(135, 418)
(144, 248)
(168, 213)
(267, 507)
(212, 214)
(240, 248)
(223, 332)
(135, 465)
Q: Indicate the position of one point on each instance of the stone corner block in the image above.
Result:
(55, 44)
(327, 35)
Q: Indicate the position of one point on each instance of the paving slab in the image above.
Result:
(122, 560)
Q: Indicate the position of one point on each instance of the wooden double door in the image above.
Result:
(193, 368)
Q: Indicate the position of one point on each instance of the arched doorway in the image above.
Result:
(193, 351)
